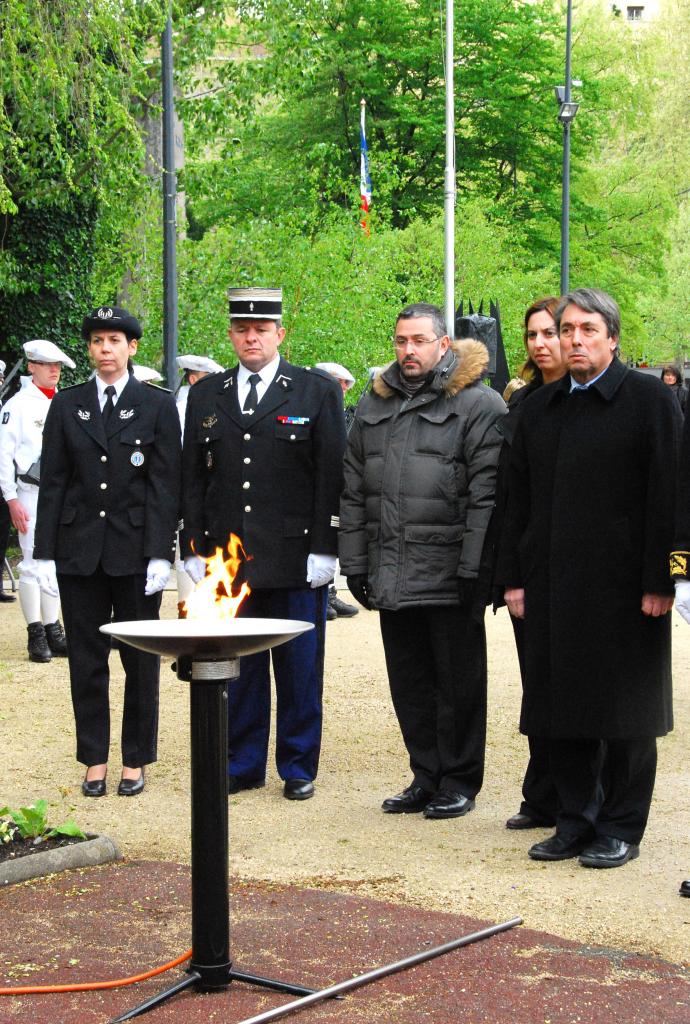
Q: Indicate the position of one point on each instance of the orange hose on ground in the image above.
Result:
(89, 986)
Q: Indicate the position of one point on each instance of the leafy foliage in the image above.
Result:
(32, 823)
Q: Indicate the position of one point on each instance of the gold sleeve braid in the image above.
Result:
(678, 564)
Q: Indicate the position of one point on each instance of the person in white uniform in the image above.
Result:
(195, 368)
(21, 435)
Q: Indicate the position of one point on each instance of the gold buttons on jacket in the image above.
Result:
(102, 514)
(247, 437)
(246, 485)
(247, 508)
(104, 458)
(104, 487)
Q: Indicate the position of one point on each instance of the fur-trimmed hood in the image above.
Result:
(468, 366)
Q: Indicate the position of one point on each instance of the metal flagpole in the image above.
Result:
(450, 192)
(364, 176)
(169, 180)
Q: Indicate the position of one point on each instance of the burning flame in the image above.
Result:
(213, 597)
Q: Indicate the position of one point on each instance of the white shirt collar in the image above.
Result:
(118, 384)
(267, 373)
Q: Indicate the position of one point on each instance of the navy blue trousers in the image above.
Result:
(298, 673)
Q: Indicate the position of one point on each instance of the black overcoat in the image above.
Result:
(273, 478)
(588, 530)
(110, 497)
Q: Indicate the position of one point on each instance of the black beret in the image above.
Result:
(112, 317)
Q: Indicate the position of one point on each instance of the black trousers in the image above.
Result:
(620, 774)
(436, 661)
(89, 602)
(540, 800)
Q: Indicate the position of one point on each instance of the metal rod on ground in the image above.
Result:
(379, 972)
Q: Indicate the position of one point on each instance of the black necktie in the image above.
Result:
(109, 404)
(252, 399)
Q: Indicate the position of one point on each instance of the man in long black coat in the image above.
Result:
(588, 529)
(262, 459)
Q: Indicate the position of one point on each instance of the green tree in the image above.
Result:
(279, 129)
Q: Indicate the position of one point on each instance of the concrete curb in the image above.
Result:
(95, 850)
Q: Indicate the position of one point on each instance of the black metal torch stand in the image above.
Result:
(210, 967)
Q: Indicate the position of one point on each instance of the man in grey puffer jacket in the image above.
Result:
(420, 472)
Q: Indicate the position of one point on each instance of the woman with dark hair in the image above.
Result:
(672, 376)
(543, 366)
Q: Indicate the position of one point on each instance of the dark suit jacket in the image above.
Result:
(109, 499)
(273, 478)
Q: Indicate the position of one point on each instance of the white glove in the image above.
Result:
(683, 599)
(45, 574)
(195, 568)
(320, 569)
(157, 575)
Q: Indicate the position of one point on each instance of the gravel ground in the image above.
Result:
(341, 839)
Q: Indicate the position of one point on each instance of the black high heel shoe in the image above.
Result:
(130, 787)
(93, 787)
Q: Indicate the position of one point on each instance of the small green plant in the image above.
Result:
(32, 823)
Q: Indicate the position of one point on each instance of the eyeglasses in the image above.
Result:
(415, 342)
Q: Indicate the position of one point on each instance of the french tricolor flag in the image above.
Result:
(364, 178)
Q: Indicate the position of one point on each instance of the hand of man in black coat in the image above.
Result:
(359, 588)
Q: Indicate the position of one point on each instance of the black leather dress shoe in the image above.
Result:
(685, 888)
(96, 787)
(5, 597)
(130, 787)
(236, 784)
(298, 789)
(446, 804)
(410, 801)
(521, 821)
(608, 852)
(561, 846)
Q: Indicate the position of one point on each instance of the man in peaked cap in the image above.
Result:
(195, 368)
(21, 433)
(262, 458)
(336, 607)
(107, 512)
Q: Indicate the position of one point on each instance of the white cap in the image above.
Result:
(145, 372)
(337, 370)
(41, 351)
(201, 364)
(3, 367)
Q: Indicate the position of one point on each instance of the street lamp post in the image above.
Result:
(169, 212)
(449, 191)
(566, 114)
